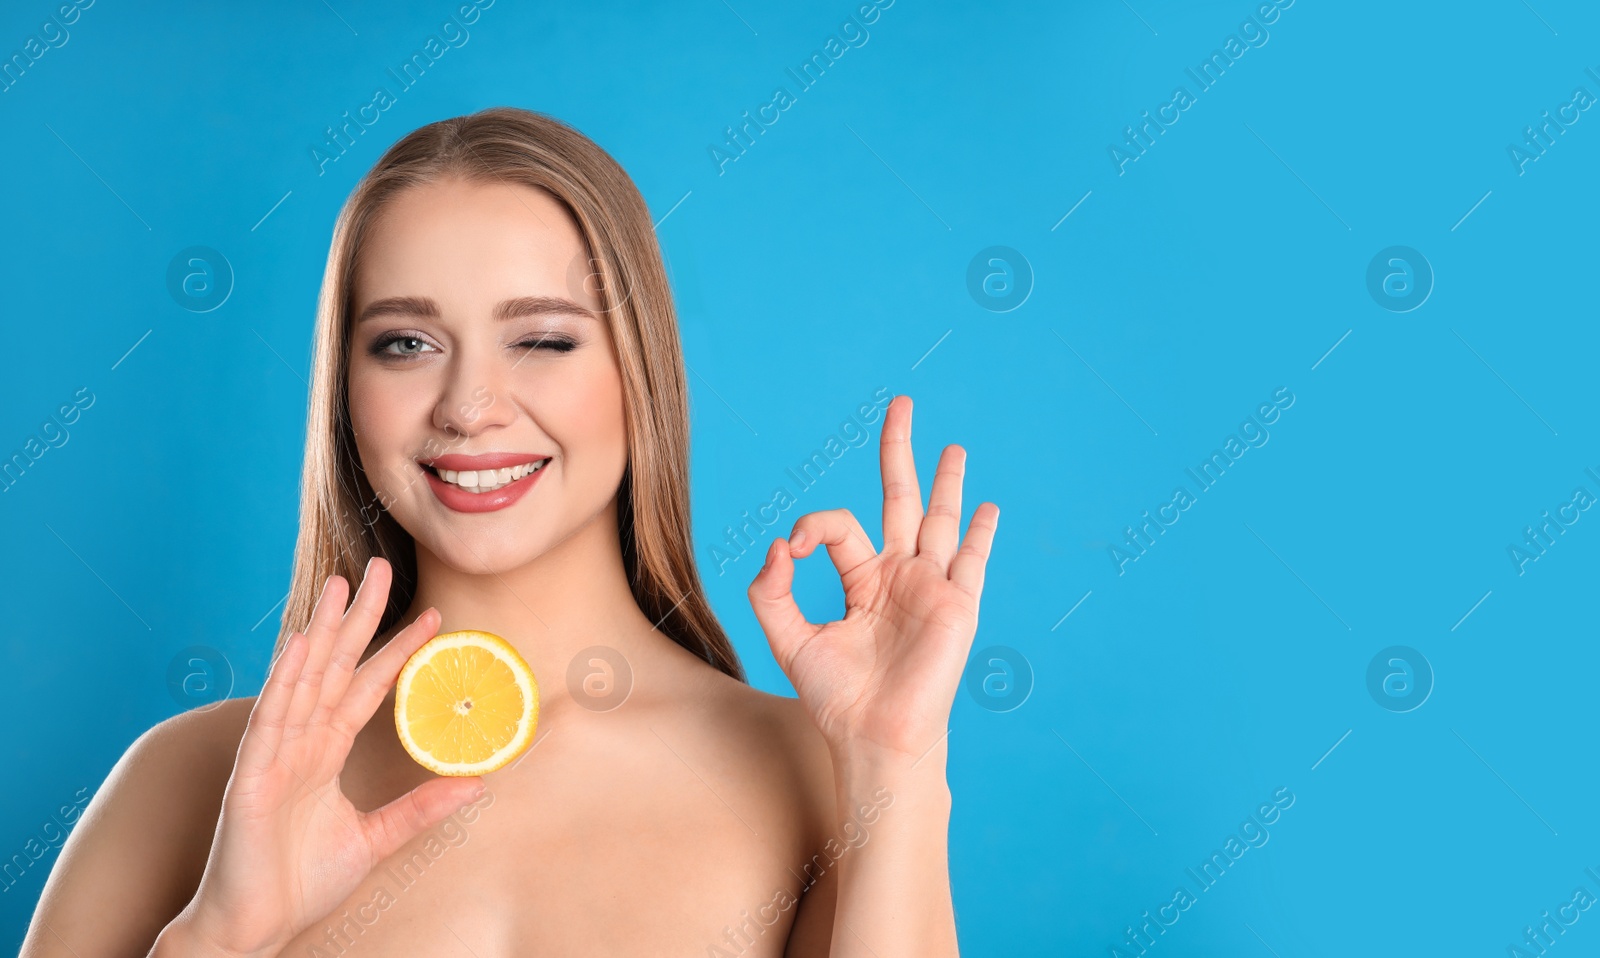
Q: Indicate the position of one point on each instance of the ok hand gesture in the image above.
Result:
(885, 675)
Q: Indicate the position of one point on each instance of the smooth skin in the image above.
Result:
(284, 799)
(699, 814)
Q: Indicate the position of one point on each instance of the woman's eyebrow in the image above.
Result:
(507, 309)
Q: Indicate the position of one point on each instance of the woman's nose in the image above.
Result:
(473, 400)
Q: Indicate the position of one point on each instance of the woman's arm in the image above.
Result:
(136, 856)
(878, 684)
(282, 845)
(894, 886)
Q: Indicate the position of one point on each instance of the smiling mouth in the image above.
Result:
(486, 480)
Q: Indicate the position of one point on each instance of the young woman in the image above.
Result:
(494, 299)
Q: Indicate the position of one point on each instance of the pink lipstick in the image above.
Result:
(483, 483)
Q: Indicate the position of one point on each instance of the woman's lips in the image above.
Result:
(505, 469)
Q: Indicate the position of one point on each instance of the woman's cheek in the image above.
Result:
(595, 409)
(374, 416)
(574, 400)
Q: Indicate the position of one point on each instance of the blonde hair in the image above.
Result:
(342, 523)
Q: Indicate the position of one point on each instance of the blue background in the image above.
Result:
(825, 263)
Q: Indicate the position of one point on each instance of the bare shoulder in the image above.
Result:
(137, 853)
(775, 731)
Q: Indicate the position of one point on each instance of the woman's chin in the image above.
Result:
(480, 554)
(483, 558)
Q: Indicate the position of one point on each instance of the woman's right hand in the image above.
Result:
(289, 847)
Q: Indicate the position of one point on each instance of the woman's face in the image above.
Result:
(484, 387)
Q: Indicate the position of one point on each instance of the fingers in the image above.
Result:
(377, 675)
(324, 626)
(941, 527)
(390, 827)
(772, 600)
(265, 725)
(902, 497)
(355, 632)
(838, 529)
(967, 569)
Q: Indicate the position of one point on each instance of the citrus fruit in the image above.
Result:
(466, 703)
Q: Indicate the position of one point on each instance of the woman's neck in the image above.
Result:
(573, 596)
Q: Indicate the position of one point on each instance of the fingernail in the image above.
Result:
(798, 540)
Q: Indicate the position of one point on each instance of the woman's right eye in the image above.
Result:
(401, 346)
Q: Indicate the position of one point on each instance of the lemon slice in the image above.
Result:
(466, 703)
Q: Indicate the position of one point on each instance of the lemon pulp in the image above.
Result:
(466, 703)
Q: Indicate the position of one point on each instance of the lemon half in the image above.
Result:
(466, 703)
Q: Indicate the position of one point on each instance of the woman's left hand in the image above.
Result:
(884, 676)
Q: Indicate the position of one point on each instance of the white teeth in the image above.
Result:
(488, 480)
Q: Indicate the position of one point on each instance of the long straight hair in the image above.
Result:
(342, 521)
